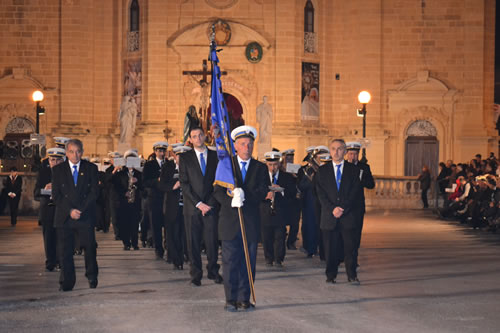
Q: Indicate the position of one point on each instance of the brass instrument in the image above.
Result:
(132, 188)
(275, 189)
(312, 166)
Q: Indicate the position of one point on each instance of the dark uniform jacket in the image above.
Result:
(46, 213)
(282, 203)
(120, 182)
(167, 182)
(15, 187)
(367, 181)
(255, 189)
(195, 186)
(82, 197)
(346, 197)
(150, 176)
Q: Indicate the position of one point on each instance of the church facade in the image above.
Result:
(429, 66)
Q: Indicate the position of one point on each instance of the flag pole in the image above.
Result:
(233, 166)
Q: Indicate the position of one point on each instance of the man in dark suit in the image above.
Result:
(151, 181)
(338, 188)
(197, 173)
(251, 176)
(111, 197)
(367, 181)
(13, 186)
(43, 192)
(74, 191)
(274, 209)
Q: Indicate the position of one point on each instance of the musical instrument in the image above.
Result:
(275, 189)
(132, 188)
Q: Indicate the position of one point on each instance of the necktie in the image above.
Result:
(202, 164)
(275, 180)
(338, 176)
(75, 174)
(243, 170)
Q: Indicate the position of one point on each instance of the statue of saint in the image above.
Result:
(265, 120)
(191, 120)
(128, 119)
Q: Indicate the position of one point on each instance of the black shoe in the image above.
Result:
(354, 281)
(50, 268)
(93, 284)
(218, 279)
(169, 261)
(64, 289)
(245, 306)
(196, 283)
(136, 248)
(331, 280)
(117, 238)
(178, 267)
(126, 248)
(231, 306)
(143, 243)
(159, 256)
(279, 265)
(291, 247)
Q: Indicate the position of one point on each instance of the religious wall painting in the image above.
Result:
(254, 52)
(132, 84)
(310, 91)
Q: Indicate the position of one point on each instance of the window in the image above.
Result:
(134, 15)
(309, 17)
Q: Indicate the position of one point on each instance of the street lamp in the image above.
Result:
(37, 98)
(364, 98)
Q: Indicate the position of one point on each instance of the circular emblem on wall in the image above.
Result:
(221, 4)
(222, 32)
(254, 52)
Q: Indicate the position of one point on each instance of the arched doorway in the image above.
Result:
(234, 110)
(422, 148)
(17, 149)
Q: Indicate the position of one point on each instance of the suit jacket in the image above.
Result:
(346, 197)
(255, 189)
(197, 187)
(15, 187)
(67, 196)
(282, 203)
(46, 213)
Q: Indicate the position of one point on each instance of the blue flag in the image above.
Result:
(220, 127)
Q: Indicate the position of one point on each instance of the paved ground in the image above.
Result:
(418, 275)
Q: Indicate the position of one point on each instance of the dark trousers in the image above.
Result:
(100, 221)
(332, 241)
(50, 245)
(236, 284)
(294, 219)
(13, 206)
(66, 243)
(309, 231)
(157, 222)
(424, 197)
(273, 240)
(202, 229)
(359, 231)
(146, 232)
(107, 211)
(175, 237)
(128, 224)
(113, 212)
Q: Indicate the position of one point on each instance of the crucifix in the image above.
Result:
(203, 112)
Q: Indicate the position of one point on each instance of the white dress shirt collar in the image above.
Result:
(77, 166)
(335, 167)
(205, 155)
(241, 160)
(160, 161)
(276, 175)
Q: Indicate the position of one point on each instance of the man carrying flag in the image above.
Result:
(240, 186)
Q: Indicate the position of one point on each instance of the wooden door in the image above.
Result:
(421, 151)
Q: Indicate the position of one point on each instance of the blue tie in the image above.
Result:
(243, 170)
(202, 164)
(75, 174)
(275, 180)
(338, 176)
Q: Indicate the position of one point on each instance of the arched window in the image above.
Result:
(134, 15)
(309, 17)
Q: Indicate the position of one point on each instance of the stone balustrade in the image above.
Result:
(398, 193)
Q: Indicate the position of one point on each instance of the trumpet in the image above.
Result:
(132, 188)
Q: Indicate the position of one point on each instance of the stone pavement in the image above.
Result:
(417, 275)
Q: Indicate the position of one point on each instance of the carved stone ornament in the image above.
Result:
(421, 128)
(222, 32)
(20, 125)
(221, 4)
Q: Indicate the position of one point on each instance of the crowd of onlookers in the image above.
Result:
(471, 192)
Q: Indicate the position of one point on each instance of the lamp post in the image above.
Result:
(364, 98)
(37, 98)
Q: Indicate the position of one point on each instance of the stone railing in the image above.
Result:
(397, 193)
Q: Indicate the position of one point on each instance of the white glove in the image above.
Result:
(238, 197)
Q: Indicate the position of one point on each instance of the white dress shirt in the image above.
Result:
(71, 166)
